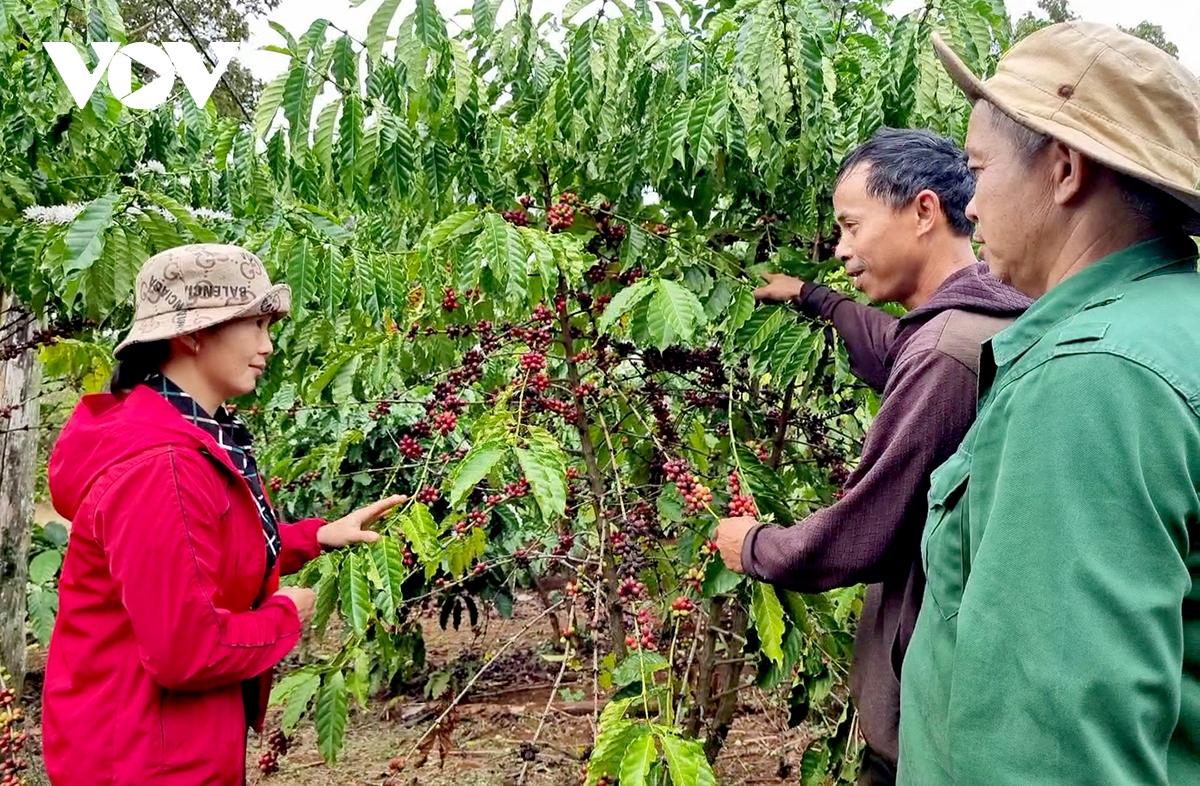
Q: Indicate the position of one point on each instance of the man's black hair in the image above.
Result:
(902, 163)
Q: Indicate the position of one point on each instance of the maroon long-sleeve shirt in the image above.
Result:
(925, 364)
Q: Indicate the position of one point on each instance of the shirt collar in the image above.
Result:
(1093, 286)
(221, 425)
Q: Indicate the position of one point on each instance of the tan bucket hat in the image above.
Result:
(1115, 98)
(189, 288)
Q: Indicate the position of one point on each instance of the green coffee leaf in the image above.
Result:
(686, 761)
(767, 614)
(545, 465)
(333, 707)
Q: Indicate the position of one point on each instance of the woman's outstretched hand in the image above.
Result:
(352, 528)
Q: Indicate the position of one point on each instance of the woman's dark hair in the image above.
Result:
(137, 364)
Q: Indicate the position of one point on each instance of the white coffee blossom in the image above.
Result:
(54, 214)
(185, 181)
(138, 209)
(149, 166)
(211, 215)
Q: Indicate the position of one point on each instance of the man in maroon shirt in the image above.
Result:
(900, 203)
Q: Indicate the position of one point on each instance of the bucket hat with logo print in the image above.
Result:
(189, 288)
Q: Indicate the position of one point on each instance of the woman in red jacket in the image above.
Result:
(170, 616)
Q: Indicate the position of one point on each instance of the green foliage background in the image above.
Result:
(373, 177)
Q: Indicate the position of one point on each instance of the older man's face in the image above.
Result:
(1011, 204)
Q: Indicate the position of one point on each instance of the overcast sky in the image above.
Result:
(1180, 19)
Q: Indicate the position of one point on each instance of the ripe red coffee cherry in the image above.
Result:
(516, 217)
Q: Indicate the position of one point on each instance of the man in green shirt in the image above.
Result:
(1059, 636)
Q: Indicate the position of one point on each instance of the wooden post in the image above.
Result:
(20, 384)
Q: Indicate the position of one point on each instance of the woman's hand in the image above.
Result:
(351, 527)
(304, 598)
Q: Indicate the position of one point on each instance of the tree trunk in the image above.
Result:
(20, 383)
(729, 677)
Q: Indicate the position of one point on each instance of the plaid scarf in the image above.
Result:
(235, 439)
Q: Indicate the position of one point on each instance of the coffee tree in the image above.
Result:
(521, 252)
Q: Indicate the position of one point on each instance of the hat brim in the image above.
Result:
(975, 90)
(275, 302)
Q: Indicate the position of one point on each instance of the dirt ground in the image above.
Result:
(492, 739)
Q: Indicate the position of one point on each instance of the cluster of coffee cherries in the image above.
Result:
(44, 337)
(566, 542)
(533, 361)
(631, 588)
(410, 447)
(740, 504)
(307, 479)
(655, 397)
(601, 272)
(450, 299)
(518, 218)
(406, 554)
(597, 273)
(277, 746)
(12, 739)
(471, 369)
(816, 433)
(680, 360)
(839, 473)
(442, 407)
(683, 606)
(642, 521)
(695, 494)
(610, 233)
(635, 538)
(515, 490)
(628, 278)
(561, 215)
(445, 421)
(646, 626)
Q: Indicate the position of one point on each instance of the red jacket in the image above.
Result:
(157, 625)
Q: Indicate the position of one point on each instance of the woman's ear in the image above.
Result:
(186, 345)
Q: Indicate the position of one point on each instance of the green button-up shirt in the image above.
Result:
(1059, 638)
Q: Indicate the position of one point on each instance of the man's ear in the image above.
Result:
(1071, 173)
(928, 208)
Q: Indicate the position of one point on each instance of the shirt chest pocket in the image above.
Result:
(944, 544)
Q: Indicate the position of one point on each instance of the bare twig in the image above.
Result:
(546, 712)
(471, 683)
